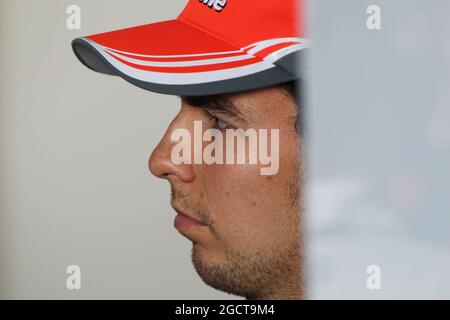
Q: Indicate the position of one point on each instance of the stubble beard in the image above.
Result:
(269, 272)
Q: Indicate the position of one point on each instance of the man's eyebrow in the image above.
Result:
(218, 104)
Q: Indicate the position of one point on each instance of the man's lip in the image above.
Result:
(183, 221)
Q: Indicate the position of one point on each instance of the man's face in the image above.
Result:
(247, 241)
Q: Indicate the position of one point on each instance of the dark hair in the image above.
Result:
(293, 88)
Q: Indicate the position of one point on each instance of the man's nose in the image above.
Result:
(160, 162)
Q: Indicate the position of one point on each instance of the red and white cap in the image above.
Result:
(213, 47)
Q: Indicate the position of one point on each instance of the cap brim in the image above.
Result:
(177, 58)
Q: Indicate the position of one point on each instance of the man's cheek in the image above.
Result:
(229, 180)
(242, 184)
(253, 208)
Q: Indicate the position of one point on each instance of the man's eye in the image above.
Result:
(220, 124)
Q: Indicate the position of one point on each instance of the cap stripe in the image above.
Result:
(171, 56)
(200, 71)
(181, 63)
(190, 69)
(178, 58)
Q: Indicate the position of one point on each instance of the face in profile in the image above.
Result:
(244, 226)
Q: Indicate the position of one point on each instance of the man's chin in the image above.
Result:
(209, 269)
(215, 272)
